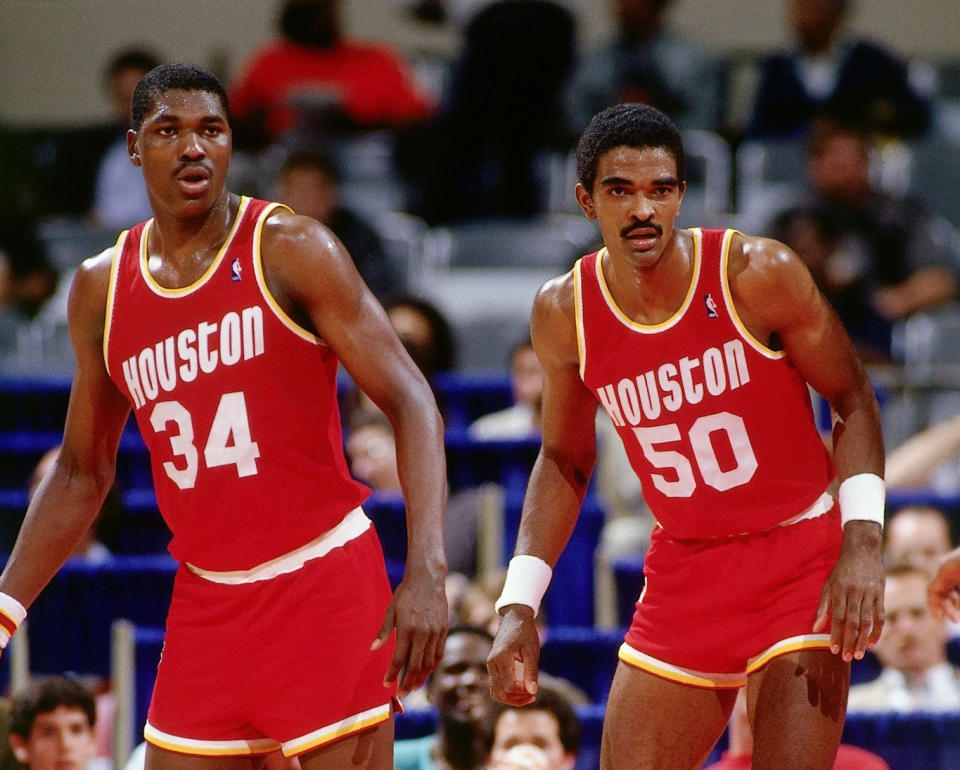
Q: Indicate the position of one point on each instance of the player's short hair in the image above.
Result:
(627, 125)
(45, 695)
(553, 702)
(173, 77)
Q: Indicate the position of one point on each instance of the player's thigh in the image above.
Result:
(797, 704)
(368, 750)
(652, 723)
(158, 759)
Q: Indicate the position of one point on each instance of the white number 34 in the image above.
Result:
(228, 442)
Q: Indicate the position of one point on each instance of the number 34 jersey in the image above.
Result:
(236, 403)
(718, 427)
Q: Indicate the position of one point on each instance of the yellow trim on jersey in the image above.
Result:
(333, 732)
(673, 319)
(271, 301)
(786, 646)
(686, 676)
(728, 297)
(111, 293)
(163, 291)
(201, 748)
(578, 315)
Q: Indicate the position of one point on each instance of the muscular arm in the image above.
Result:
(310, 271)
(818, 347)
(557, 483)
(69, 498)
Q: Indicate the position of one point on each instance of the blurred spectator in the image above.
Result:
(459, 690)
(119, 195)
(309, 182)
(876, 257)
(52, 726)
(372, 454)
(522, 420)
(543, 736)
(739, 755)
(500, 115)
(92, 549)
(425, 332)
(828, 67)
(917, 535)
(916, 674)
(313, 78)
(27, 279)
(929, 458)
(646, 62)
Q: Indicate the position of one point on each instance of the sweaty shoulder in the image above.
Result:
(769, 283)
(87, 305)
(553, 324)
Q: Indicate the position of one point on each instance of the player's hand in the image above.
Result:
(512, 662)
(418, 611)
(852, 598)
(943, 593)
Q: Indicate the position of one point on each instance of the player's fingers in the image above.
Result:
(878, 619)
(823, 611)
(389, 620)
(851, 629)
(413, 668)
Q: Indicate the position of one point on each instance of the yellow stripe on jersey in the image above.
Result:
(200, 748)
(686, 676)
(793, 644)
(344, 727)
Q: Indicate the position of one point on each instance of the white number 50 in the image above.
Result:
(731, 425)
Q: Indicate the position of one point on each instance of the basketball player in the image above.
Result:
(221, 323)
(699, 345)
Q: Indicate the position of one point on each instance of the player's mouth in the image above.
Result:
(194, 180)
(643, 238)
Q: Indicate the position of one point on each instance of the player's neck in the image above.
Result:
(180, 249)
(651, 294)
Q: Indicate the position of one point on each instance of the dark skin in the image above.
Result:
(799, 698)
(184, 148)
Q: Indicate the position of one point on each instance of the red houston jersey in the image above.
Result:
(718, 427)
(235, 401)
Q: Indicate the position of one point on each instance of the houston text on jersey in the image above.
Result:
(630, 401)
(187, 354)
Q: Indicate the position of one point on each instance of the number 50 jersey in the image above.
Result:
(718, 427)
(236, 403)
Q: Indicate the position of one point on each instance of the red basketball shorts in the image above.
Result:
(283, 662)
(713, 611)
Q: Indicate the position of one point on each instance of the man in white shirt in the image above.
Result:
(916, 675)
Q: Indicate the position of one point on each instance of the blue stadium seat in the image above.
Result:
(628, 582)
(506, 462)
(570, 599)
(69, 628)
(585, 656)
(464, 397)
(908, 741)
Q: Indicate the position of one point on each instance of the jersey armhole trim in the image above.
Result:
(578, 316)
(728, 298)
(271, 301)
(111, 293)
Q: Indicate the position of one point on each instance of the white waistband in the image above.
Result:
(351, 526)
(822, 505)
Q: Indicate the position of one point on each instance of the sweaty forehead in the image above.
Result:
(625, 162)
(179, 103)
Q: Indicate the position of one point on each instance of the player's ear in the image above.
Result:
(132, 150)
(585, 201)
(20, 749)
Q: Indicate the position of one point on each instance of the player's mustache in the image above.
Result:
(648, 225)
(190, 165)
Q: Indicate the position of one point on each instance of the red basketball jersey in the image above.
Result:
(718, 427)
(235, 401)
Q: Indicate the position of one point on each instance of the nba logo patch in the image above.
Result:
(711, 305)
(235, 270)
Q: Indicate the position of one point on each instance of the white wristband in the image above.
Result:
(862, 497)
(526, 582)
(12, 614)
